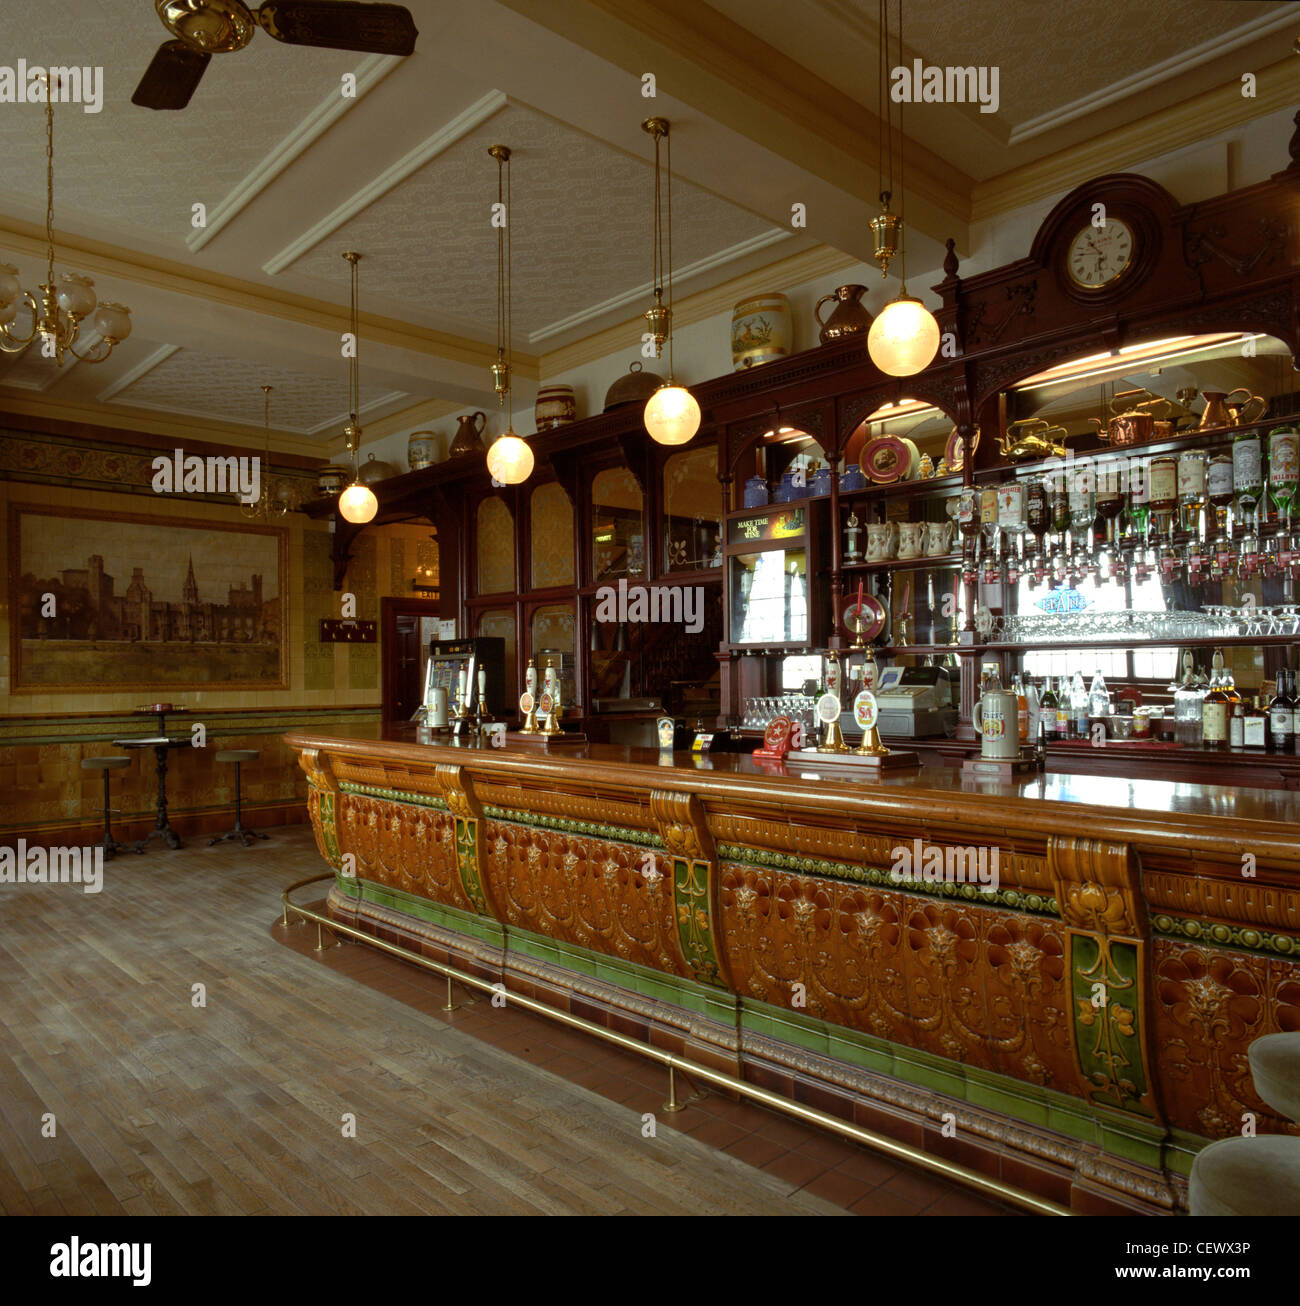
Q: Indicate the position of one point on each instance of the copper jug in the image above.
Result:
(469, 432)
(848, 318)
(1220, 411)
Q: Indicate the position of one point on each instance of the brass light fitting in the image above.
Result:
(885, 231)
(659, 316)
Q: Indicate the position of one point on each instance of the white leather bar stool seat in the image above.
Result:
(1247, 1176)
(1275, 1068)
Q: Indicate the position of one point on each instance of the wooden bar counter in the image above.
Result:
(1083, 1028)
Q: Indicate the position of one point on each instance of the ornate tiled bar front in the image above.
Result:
(1084, 1027)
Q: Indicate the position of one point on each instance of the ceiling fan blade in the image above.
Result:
(340, 25)
(172, 77)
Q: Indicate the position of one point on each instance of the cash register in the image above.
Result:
(916, 703)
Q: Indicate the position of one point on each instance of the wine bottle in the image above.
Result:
(1247, 474)
(1216, 710)
(1283, 468)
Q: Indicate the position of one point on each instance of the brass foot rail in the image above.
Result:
(679, 1065)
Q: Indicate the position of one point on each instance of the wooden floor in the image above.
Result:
(238, 1106)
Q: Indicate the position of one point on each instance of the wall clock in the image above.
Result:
(1098, 257)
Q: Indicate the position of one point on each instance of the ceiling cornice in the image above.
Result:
(28, 239)
(1189, 123)
(173, 426)
(792, 271)
(429, 410)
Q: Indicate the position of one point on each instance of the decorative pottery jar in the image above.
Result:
(851, 478)
(634, 388)
(756, 495)
(761, 329)
(332, 478)
(821, 483)
(911, 539)
(787, 490)
(421, 447)
(554, 407)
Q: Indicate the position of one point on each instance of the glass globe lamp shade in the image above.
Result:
(7, 314)
(904, 337)
(358, 504)
(672, 415)
(510, 460)
(112, 321)
(11, 288)
(76, 294)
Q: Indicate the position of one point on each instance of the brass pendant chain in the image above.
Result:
(902, 187)
(49, 172)
(669, 139)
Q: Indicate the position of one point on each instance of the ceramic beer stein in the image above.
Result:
(882, 541)
(997, 722)
(939, 535)
(911, 539)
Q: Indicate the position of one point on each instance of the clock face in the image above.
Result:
(1098, 255)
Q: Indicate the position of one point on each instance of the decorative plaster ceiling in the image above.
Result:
(580, 233)
(229, 390)
(131, 169)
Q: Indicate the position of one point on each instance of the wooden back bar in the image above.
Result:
(1140, 936)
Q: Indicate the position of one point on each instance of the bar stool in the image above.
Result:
(238, 756)
(1260, 1175)
(106, 764)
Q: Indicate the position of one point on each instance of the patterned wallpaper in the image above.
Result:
(552, 537)
(496, 548)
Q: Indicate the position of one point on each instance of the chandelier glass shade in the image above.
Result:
(672, 415)
(904, 337)
(61, 307)
(510, 460)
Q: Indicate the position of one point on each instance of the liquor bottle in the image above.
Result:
(1079, 705)
(1040, 746)
(1254, 726)
(1083, 503)
(1063, 718)
(1280, 715)
(1139, 496)
(1037, 509)
(1047, 707)
(1162, 473)
(1236, 724)
(1219, 492)
(1098, 697)
(1058, 504)
(1283, 469)
(1216, 710)
(1110, 497)
(1022, 708)
(1191, 489)
(1294, 697)
(1247, 475)
(1035, 712)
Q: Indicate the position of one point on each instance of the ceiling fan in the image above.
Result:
(203, 28)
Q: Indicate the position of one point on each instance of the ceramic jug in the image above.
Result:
(996, 718)
(469, 434)
(882, 541)
(911, 539)
(756, 492)
(939, 536)
(848, 318)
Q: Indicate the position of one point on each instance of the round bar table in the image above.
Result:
(160, 745)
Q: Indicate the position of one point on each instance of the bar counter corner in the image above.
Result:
(1083, 1023)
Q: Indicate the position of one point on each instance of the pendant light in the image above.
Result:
(509, 460)
(357, 503)
(904, 336)
(672, 415)
(267, 505)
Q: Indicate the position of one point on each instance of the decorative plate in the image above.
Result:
(914, 463)
(954, 454)
(870, 618)
(886, 459)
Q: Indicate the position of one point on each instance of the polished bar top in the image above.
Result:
(1217, 816)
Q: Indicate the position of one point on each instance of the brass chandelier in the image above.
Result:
(59, 310)
(267, 505)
